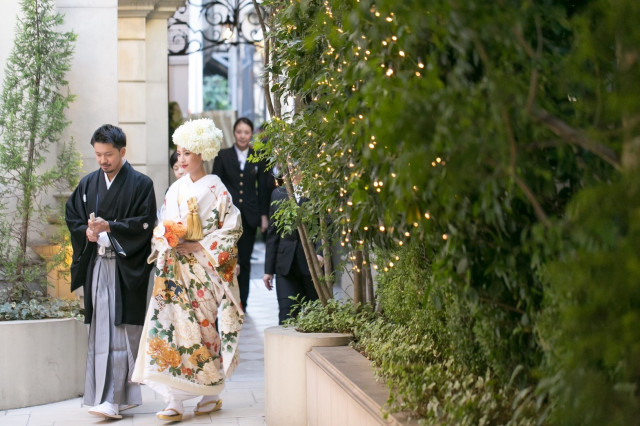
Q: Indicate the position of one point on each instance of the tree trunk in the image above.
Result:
(369, 277)
(358, 284)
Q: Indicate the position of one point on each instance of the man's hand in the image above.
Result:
(92, 236)
(265, 223)
(99, 225)
(268, 281)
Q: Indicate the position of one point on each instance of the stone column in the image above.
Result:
(143, 94)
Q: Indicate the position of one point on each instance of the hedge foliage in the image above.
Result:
(489, 152)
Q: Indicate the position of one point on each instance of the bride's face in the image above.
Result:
(188, 161)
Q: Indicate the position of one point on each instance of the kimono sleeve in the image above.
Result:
(77, 221)
(222, 227)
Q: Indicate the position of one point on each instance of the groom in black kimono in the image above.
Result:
(111, 216)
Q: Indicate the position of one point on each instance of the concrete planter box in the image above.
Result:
(342, 390)
(41, 361)
(285, 378)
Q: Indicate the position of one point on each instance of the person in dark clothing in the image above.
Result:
(110, 216)
(248, 185)
(284, 257)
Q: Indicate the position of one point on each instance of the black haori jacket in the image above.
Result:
(130, 208)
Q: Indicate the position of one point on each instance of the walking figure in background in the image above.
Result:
(248, 184)
(110, 216)
(178, 171)
(284, 257)
(182, 356)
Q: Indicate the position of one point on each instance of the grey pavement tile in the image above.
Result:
(251, 421)
(237, 398)
(251, 356)
(258, 348)
(240, 412)
(14, 420)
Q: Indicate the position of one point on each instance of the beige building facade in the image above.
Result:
(119, 75)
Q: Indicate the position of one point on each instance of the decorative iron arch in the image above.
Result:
(228, 23)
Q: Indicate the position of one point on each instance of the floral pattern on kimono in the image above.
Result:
(180, 345)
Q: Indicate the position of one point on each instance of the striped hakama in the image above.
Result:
(112, 349)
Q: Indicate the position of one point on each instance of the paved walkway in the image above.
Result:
(243, 397)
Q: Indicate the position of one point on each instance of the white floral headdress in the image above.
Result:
(200, 137)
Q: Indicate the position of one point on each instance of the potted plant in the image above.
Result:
(40, 367)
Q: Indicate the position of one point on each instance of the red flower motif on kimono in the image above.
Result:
(194, 304)
(200, 293)
(213, 246)
(220, 224)
(223, 258)
(205, 323)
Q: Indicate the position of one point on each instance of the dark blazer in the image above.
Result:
(282, 251)
(248, 187)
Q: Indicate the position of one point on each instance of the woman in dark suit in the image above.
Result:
(248, 185)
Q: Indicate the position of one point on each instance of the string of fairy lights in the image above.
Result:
(393, 61)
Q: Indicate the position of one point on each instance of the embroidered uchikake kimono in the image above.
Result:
(180, 351)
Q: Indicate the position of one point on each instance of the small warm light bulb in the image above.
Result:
(389, 72)
(427, 215)
(407, 234)
(381, 228)
(401, 53)
(445, 237)
(366, 228)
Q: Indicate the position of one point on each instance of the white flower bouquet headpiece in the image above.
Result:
(199, 136)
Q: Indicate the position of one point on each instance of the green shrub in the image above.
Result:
(41, 308)
(590, 324)
(334, 317)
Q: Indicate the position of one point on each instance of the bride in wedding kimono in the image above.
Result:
(181, 353)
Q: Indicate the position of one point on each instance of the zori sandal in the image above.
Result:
(168, 416)
(207, 407)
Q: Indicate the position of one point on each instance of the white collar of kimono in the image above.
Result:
(176, 198)
(106, 178)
